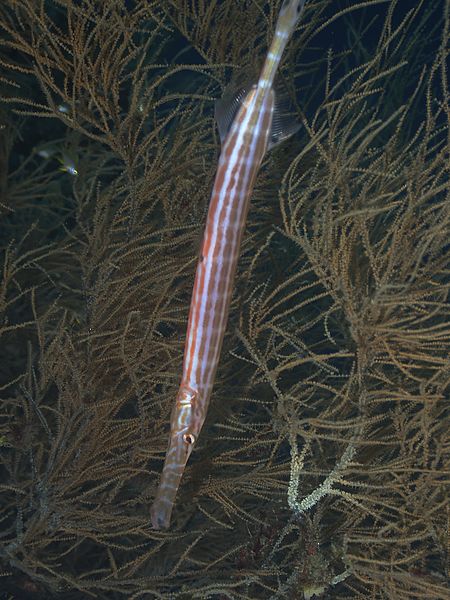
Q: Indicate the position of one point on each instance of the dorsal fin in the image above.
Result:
(284, 123)
(227, 107)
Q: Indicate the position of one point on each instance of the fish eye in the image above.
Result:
(188, 438)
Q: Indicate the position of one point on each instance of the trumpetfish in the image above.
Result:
(248, 128)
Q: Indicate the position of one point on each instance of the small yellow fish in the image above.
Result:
(67, 163)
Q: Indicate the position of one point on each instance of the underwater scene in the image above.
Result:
(224, 299)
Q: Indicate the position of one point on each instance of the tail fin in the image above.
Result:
(290, 13)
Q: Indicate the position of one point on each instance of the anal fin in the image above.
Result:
(227, 107)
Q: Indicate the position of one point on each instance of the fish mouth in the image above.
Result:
(160, 513)
(174, 465)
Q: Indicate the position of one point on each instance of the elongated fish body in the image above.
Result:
(243, 148)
